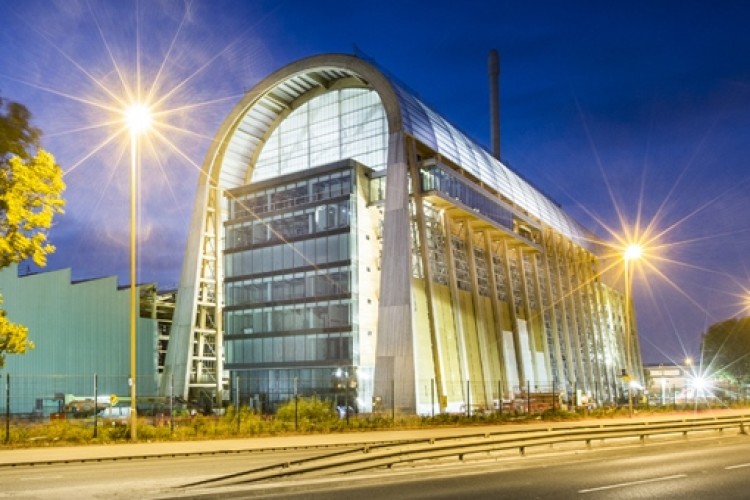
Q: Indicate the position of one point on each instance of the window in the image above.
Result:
(338, 348)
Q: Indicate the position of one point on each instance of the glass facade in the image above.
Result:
(341, 124)
(454, 189)
(288, 286)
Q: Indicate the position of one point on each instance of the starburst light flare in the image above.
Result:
(138, 118)
(634, 251)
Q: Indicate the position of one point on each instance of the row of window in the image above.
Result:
(452, 187)
(314, 190)
(289, 226)
(290, 349)
(298, 286)
(312, 252)
(333, 132)
(289, 318)
(284, 380)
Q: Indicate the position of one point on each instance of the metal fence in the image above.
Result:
(50, 397)
(70, 396)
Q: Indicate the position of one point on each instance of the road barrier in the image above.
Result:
(388, 454)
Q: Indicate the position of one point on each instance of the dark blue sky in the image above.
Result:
(635, 107)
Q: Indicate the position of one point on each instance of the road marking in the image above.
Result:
(739, 466)
(632, 483)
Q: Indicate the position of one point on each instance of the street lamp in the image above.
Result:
(745, 300)
(138, 120)
(632, 252)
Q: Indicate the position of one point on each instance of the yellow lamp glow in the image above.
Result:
(633, 252)
(138, 118)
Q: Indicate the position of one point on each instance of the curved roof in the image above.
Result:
(255, 117)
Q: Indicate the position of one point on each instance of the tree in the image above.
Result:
(726, 349)
(31, 187)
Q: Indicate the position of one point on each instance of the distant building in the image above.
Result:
(665, 382)
(669, 383)
(347, 241)
(79, 329)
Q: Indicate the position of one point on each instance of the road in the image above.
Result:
(710, 467)
(688, 470)
(699, 469)
(144, 478)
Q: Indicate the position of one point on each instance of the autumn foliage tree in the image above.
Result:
(31, 187)
(726, 349)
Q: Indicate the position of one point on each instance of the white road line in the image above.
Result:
(37, 478)
(631, 483)
(739, 466)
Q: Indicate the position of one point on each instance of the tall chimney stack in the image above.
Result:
(493, 64)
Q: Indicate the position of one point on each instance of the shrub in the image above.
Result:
(309, 410)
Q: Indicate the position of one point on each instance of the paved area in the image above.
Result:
(46, 454)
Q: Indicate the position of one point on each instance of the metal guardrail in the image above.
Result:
(388, 454)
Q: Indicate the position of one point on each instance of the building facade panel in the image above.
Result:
(79, 330)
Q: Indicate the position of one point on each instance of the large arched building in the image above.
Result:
(348, 242)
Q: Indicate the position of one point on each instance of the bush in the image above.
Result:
(310, 411)
(313, 416)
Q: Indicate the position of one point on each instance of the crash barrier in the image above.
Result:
(388, 454)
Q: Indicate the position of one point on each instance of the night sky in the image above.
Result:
(630, 113)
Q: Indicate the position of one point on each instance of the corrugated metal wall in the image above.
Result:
(79, 330)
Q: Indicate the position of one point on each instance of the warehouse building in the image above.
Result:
(80, 332)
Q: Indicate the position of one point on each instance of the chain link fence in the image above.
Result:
(95, 400)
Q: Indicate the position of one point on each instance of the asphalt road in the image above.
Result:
(142, 478)
(696, 468)
(705, 469)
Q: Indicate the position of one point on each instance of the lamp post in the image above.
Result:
(689, 375)
(632, 252)
(138, 120)
(296, 406)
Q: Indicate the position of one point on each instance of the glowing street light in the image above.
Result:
(138, 120)
(632, 252)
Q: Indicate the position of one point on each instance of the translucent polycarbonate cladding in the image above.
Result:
(434, 131)
(341, 124)
(351, 123)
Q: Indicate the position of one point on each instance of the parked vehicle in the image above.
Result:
(115, 415)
